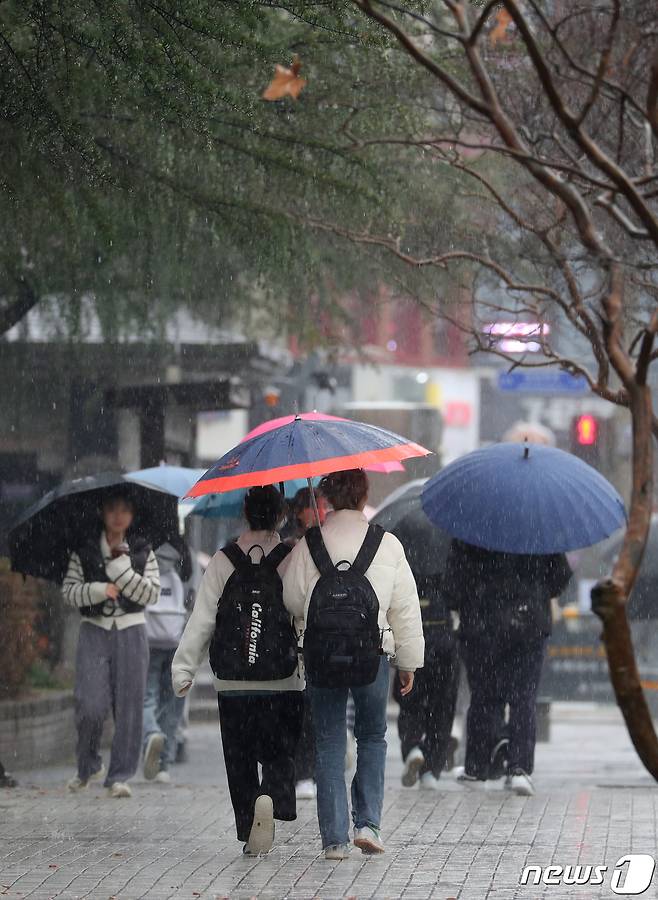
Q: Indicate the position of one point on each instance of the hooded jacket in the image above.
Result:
(165, 622)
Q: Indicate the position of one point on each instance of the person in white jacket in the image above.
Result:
(389, 574)
(260, 721)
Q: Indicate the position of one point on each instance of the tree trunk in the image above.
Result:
(610, 597)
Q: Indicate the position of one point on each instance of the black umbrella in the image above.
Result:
(425, 545)
(398, 504)
(42, 539)
(643, 603)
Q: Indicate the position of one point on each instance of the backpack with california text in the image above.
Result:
(342, 639)
(254, 638)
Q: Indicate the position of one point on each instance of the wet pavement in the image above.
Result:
(594, 805)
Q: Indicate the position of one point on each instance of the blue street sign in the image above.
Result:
(541, 382)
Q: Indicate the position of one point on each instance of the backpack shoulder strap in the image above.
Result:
(369, 548)
(276, 556)
(241, 563)
(318, 551)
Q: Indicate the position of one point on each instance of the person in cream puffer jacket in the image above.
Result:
(389, 573)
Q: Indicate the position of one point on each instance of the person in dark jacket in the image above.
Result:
(427, 713)
(503, 600)
(6, 780)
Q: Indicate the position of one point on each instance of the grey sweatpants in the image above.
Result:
(110, 674)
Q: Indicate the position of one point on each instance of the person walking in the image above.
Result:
(165, 623)
(503, 600)
(353, 587)
(240, 620)
(6, 780)
(302, 517)
(111, 579)
(427, 714)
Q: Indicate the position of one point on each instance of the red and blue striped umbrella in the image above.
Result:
(385, 467)
(304, 448)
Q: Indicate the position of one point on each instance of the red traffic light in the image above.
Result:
(587, 430)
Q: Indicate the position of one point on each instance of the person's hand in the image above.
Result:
(120, 550)
(112, 591)
(406, 681)
(185, 688)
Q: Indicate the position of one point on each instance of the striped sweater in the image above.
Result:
(143, 589)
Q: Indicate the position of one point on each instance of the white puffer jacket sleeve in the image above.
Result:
(403, 613)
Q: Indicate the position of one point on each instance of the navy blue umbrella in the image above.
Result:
(523, 499)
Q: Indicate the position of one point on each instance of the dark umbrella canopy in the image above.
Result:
(304, 448)
(529, 500)
(425, 545)
(402, 501)
(42, 539)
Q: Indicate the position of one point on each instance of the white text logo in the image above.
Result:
(631, 875)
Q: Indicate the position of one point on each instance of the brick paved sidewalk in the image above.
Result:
(594, 804)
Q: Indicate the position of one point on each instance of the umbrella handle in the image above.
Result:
(314, 502)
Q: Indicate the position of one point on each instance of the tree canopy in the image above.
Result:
(142, 167)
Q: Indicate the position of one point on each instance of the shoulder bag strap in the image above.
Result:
(369, 548)
(276, 556)
(318, 551)
(241, 562)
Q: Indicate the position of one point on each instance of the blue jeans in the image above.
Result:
(330, 723)
(162, 708)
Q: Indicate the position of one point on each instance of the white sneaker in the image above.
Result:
(520, 783)
(305, 789)
(413, 764)
(337, 851)
(350, 751)
(261, 836)
(120, 789)
(152, 752)
(163, 777)
(429, 782)
(76, 783)
(368, 839)
(468, 781)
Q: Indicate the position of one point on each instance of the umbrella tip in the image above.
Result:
(526, 449)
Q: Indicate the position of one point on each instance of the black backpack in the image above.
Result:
(254, 638)
(342, 640)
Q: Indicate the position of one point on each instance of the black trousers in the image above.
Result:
(427, 713)
(265, 729)
(500, 672)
